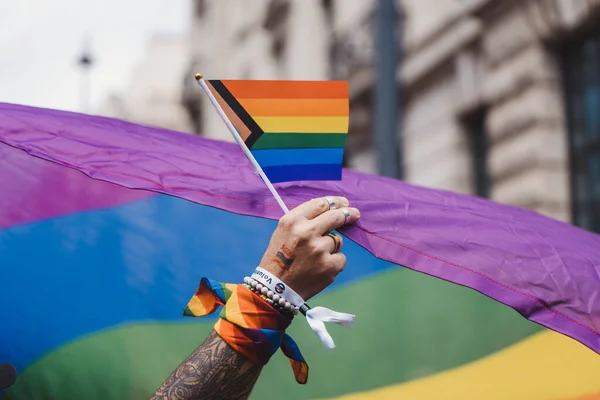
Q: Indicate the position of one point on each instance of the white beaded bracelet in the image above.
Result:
(274, 297)
(284, 296)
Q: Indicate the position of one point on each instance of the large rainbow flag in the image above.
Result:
(296, 130)
(106, 228)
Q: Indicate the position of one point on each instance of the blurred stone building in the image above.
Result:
(500, 98)
(153, 96)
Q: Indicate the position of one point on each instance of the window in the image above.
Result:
(474, 124)
(582, 95)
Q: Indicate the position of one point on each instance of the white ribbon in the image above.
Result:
(314, 316)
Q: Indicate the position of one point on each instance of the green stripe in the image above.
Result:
(300, 141)
(408, 325)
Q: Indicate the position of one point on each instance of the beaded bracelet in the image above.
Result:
(285, 300)
(287, 313)
(269, 301)
(275, 300)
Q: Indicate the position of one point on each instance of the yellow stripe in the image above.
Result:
(233, 313)
(231, 286)
(546, 366)
(217, 325)
(196, 307)
(303, 124)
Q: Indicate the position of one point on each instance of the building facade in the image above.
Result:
(498, 96)
(499, 99)
(153, 96)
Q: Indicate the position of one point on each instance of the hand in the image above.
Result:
(299, 254)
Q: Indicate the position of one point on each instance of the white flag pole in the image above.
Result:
(317, 315)
(240, 141)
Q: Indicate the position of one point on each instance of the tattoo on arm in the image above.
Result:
(284, 257)
(213, 371)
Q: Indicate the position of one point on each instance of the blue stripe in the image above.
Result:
(89, 271)
(272, 157)
(287, 173)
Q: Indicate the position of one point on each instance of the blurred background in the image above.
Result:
(495, 98)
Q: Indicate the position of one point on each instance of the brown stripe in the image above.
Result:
(233, 118)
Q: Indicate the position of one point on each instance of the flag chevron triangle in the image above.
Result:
(241, 120)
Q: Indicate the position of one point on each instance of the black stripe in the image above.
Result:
(255, 130)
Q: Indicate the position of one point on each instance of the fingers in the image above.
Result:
(337, 263)
(334, 219)
(333, 262)
(331, 242)
(318, 206)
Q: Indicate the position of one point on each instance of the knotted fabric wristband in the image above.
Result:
(247, 323)
(314, 316)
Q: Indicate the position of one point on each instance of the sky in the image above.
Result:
(40, 42)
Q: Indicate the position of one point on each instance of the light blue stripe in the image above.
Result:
(278, 157)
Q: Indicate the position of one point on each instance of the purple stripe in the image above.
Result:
(547, 270)
(35, 189)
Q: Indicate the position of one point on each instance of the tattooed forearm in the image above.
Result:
(213, 371)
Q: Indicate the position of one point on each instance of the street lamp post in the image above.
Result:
(85, 62)
(387, 105)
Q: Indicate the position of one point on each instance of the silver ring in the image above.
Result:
(346, 215)
(331, 202)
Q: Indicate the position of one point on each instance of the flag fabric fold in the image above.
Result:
(547, 270)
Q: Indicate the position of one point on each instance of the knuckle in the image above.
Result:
(343, 201)
(318, 203)
(322, 204)
(341, 264)
(338, 264)
(301, 233)
(315, 248)
(285, 222)
(340, 219)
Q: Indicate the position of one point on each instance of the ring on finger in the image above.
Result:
(346, 215)
(337, 240)
(330, 202)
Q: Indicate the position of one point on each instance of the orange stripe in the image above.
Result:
(197, 307)
(586, 397)
(295, 107)
(288, 89)
(208, 302)
(233, 118)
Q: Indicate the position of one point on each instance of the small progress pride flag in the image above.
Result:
(296, 130)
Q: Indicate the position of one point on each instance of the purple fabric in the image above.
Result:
(33, 189)
(547, 270)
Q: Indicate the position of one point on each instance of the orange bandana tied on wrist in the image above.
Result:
(247, 323)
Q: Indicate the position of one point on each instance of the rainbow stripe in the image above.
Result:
(97, 272)
(296, 130)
